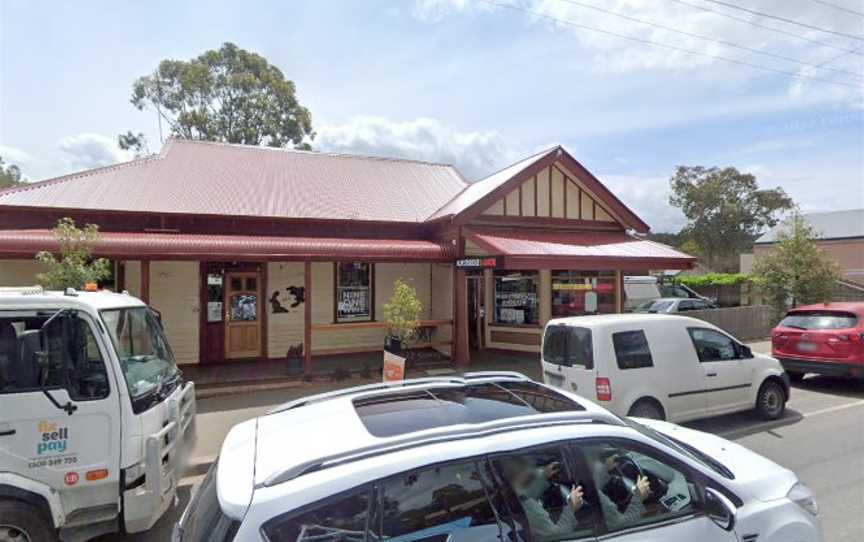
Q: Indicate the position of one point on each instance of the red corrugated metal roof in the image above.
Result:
(207, 178)
(24, 243)
(576, 247)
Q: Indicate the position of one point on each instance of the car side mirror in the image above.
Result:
(720, 509)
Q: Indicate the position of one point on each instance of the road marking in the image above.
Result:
(780, 423)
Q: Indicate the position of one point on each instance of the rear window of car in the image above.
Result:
(820, 320)
(569, 346)
(416, 410)
(631, 349)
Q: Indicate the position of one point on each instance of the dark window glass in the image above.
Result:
(343, 519)
(820, 320)
(686, 305)
(516, 297)
(204, 520)
(654, 306)
(536, 486)
(215, 296)
(615, 470)
(712, 345)
(251, 283)
(353, 291)
(438, 504)
(236, 284)
(412, 411)
(74, 361)
(569, 346)
(575, 293)
(631, 350)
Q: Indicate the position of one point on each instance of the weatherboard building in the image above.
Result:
(253, 253)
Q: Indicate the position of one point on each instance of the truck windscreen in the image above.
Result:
(146, 359)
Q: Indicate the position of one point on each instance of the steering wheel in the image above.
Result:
(627, 479)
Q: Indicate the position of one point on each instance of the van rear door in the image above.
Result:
(568, 359)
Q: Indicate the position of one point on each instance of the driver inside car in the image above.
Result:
(622, 499)
(530, 483)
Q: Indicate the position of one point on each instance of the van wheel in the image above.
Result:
(771, 401)
(647, 408)
(21, 522)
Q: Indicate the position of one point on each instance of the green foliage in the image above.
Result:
(230, 95)
(713, 279)
(10, 175)
(402, 311)
(726, 211)
(134, 142)
(796, 271)
(76, 266)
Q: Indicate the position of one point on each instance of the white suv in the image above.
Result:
(487, 456)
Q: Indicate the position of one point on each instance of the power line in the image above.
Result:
(715, 40)
(667, 46)
(771, 28)
(841, 8)
(785, 20)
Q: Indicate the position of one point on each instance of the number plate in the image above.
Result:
(807, 347)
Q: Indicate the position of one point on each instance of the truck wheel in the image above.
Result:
(771, 401)
(22, 522)
(647, 408)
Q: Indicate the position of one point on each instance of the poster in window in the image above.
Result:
(353, 304)
(214, 311)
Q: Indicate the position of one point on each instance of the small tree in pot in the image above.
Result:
(402, 316)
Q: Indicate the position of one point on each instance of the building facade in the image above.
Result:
(253, 253)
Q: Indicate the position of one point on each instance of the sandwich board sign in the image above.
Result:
(394, 367)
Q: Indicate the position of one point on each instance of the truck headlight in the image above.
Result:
(134, 473)
(803, 497)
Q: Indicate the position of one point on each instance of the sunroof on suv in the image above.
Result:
(415, 410)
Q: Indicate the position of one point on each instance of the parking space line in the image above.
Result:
(780, 423)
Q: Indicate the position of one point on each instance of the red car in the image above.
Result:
(827, 338)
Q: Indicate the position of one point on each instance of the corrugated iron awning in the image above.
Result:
(544, 249)
(181, 246)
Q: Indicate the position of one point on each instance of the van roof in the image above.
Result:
(604, 320)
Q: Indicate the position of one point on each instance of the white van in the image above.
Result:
(661, 367)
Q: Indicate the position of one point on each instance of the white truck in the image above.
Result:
(95, 419)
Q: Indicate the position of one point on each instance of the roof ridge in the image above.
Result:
(78, 174)
(318, 153)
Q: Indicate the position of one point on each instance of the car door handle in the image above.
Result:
(711, 375)
(574, 386)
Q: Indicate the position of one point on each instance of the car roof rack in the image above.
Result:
(451, 434)
(411, 383)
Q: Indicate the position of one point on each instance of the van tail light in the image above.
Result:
(604, 389)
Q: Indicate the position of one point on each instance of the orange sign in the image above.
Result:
(394, 367)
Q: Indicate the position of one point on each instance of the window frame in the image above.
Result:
(699, 479)
(499, 274)
(95, 328)
(337, 287)
(641, 331)
(736, 346)
(573, 277)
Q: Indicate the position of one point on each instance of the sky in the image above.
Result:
(476, 83)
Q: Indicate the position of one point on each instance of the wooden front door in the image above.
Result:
(242, 315)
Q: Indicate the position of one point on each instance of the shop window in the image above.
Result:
(354, 292)
(516, 297)
(576, 293)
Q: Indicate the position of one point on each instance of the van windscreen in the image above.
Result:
(568, 346)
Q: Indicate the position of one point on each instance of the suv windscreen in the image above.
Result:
(820, 320)
(416, 410)
(203, 519)
(654, 306)
(146, 359)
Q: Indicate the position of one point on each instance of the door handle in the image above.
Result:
(711, 375)
(574, 386)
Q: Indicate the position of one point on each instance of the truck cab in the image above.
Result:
(95, 418)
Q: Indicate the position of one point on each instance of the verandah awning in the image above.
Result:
(544, 249)
(183, 246)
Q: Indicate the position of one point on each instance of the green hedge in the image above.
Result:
(714, 279)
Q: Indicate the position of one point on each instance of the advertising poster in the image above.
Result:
(394, 367)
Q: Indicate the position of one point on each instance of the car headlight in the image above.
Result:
(803, 497)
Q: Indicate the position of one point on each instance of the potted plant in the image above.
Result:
(401, 315)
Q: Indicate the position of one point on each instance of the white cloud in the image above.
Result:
(473, 153)
(13, 155)
(613, 54)
(88, 151)
(648, 197)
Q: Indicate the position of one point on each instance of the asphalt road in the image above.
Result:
(821, 438)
